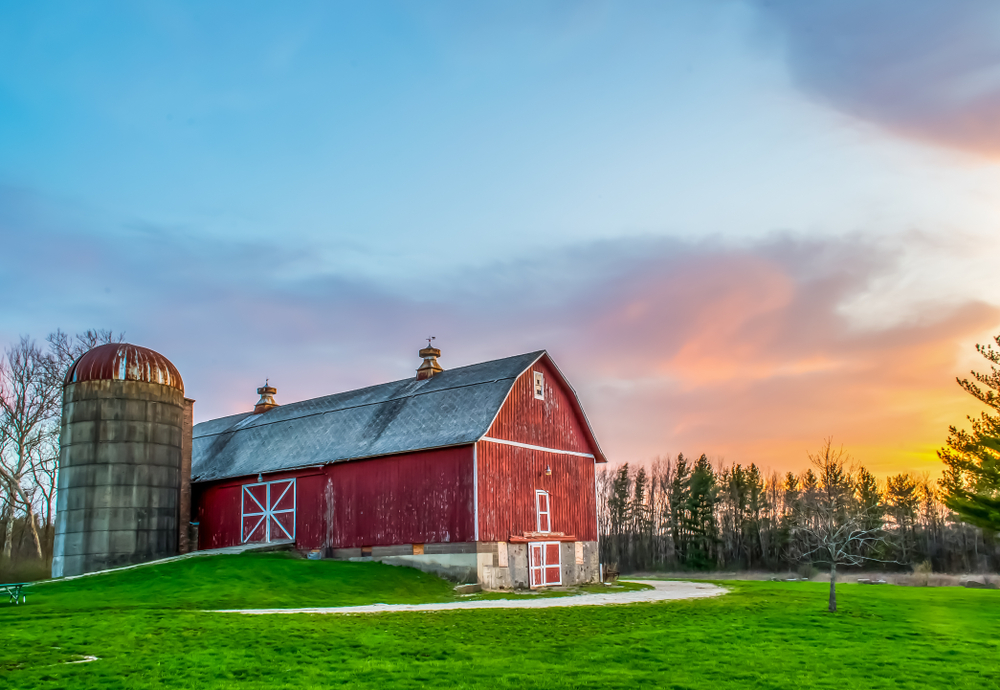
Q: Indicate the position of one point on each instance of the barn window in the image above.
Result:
(539, 385)
(542, 509)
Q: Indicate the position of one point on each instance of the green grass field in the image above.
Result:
(148, 630)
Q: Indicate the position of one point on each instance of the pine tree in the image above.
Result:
(971, 481)
(701, 514)
(756, 501)
(902, 500)
(618, 507)
(680, 492)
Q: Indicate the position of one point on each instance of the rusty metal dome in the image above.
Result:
(124, 362)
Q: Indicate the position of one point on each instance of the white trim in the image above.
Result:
(539, 512)
(475, 488)
(541, 448)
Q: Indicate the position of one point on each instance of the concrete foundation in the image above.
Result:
(119, 475)
(493, 565)
(578, 561)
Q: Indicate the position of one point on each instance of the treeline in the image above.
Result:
(695, 514)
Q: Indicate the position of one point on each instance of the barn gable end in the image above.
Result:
(538, 444)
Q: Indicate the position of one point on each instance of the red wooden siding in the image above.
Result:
(550, 423)
(508, 478)
(424, 497)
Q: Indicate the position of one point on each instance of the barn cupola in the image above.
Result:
(266, 402)
(429, 367)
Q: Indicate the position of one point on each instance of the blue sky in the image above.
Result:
(763, 202)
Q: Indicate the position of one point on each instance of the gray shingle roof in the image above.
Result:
(455, 407)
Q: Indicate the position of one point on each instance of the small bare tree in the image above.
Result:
(838, 528)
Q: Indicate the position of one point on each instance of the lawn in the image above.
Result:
(148, 630)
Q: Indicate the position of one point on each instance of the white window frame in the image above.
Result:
(266, 512)
(539, 388)
(540, 568)
(539, 512)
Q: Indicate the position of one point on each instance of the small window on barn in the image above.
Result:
(540, 385)
(542, 509)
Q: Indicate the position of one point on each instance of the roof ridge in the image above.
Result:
(414, 394)
(350, 407)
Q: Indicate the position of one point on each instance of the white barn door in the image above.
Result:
(544, 563)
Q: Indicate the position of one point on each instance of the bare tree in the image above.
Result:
(28, 404)
(839, 529)
(66, 349)
(31, 382)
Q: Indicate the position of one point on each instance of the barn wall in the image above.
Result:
(508, 478)
(424, 497)
(414, 498)
(550, 423)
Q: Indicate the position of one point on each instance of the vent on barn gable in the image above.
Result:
(539, 385)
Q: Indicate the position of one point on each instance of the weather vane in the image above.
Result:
(430, 339)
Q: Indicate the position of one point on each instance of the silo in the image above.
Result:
(121, 453)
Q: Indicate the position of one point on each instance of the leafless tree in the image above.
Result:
(66, 349)
(28, 404)
(839, 529)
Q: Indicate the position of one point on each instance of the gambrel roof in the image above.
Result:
(455, 407)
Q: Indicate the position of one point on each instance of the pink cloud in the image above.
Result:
(743, 353)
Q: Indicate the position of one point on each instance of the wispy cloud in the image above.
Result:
(929, 69)
(742, 351)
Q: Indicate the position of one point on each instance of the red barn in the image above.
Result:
(483, 473)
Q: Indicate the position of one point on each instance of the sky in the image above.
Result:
(740, 227)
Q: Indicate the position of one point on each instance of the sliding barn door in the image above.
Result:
(269, 511)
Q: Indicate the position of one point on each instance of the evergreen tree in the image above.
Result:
(971, 481)
(703, 494)
(680, 492)
(618, 508)
(903, 501)
(641, 520)
(869, 498)
(756, 502)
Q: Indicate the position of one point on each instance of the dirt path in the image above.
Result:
(662, 591)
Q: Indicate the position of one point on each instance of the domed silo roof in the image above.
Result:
(124, 362)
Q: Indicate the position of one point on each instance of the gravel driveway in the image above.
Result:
(662, 591)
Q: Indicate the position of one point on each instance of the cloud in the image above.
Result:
(740, 351)
(928, 70)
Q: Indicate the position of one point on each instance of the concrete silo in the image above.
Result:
(125, 461)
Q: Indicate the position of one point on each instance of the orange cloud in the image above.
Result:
(760, 366)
